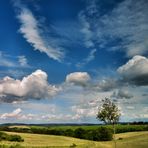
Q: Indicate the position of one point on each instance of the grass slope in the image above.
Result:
(130, 140)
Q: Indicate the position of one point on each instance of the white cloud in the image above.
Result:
(122, 94)
(106, 84)
(119, 25)
(34, 86)
(91, 55)
(7, 60)
(86, 30)
(23, 61)
(86, 109)
(14, 114)
(33, 33)
(78, 78)
(19, 116)
(135, 70)
(87, 26)
(36, 106)
(4, 61)
(122, 23)
(89, 58)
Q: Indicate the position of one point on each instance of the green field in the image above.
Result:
(128, 140)
(90, 127)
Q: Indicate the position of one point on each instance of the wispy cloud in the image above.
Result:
(128, 22)
(125, 24)
(86, 30)
(89, 58)
(33, 31)
(23, 61)
(7, 60)
(86, 25)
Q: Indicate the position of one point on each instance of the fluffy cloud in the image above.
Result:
(135, 70)
(14, 114)
(78, 78)
(34, 86)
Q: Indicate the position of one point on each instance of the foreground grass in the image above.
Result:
(128, 140)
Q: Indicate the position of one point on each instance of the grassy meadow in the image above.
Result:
(124, 140)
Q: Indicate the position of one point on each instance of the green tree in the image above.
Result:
(109, 113)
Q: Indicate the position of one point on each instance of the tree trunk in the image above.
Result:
(114, 134)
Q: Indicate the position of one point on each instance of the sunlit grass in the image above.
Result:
(127, 140)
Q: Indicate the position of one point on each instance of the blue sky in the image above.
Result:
(59, 59)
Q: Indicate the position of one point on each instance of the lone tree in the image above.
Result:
(109, 113)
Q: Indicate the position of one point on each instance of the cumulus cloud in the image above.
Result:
(14, 114)
(32, 31)
(135, 70)
(122, 94)
(34, 86)
(78, 78)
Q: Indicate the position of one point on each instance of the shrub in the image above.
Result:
(101, 134)
(106, 134)
(80, 133)
(4, 136)
(69, 132)
(16, 138)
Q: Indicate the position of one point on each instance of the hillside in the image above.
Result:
(130, 140)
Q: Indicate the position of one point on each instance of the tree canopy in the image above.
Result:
(108, 112)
